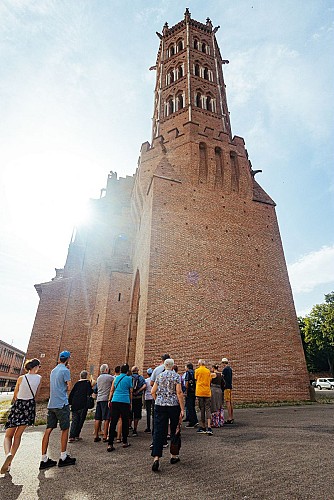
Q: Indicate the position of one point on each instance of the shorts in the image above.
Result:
(227, 395)
(137, 405)
(61, 415)
(102, 411)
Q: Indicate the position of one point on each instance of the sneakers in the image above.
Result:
(67, 461)
(201, 430)
(46, 465)
(209, 431)
(6, 464)
(135, 433)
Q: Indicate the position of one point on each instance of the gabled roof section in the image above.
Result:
(260, 195)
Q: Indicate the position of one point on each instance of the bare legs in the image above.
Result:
(63, 440)
(11, 443)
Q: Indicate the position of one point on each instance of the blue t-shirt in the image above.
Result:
(58, 386)
(122, 386)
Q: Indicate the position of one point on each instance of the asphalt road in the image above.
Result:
(269, 453)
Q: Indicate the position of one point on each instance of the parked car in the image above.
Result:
(324, 383)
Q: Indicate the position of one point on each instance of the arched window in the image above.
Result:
(208, 103)
(206, 74)
(180, 71)
(171, 76)
(171, 50)
(196, 44)
(198, 100)
(170, 103)
(197, 70)
(203, 163)
(179, 45)
(179, 101)
(204, 47)
(234, 172)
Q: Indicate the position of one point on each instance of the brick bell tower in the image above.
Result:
(183, 257)
(210, 278)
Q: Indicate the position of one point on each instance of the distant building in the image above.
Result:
(11, 362)
(185, 256)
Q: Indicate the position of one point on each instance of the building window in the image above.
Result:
(180, 71)
(204, 47)
(206, 74)
(180, 101)
(171, 50)
(198, 100)
(196, 44)
(179, 45)
(197, 70)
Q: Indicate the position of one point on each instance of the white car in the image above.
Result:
(325, 383)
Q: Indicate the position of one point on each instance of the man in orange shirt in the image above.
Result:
(203, 392)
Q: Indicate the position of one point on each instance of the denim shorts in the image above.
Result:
(61, 415)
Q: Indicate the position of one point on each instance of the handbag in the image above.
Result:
(90, 402)
(175, 443)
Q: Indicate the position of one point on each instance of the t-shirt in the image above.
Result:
(227, 374)
(190, 376)
(24, 390)
(122, 386)
(103, 383)
(59, 377)
(148, 395)
(159, 369)
(166, 393)
(203, 381)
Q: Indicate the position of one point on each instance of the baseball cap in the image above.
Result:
(224, 360)
(64, 355)
(149, 371)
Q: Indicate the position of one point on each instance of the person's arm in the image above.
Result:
(69, 385)
(213, 375)
(154, 390)
(38, 388)
(180, 397)
(16, 390)
(112, 390)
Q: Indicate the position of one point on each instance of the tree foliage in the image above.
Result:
(317, 332)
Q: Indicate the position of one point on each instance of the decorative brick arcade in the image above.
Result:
(185, 256)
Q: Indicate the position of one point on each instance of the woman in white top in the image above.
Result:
(22, 412)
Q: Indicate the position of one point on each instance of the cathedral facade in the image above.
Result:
(184, 256)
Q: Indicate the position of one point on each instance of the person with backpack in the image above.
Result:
(190, 384)
(139, 386)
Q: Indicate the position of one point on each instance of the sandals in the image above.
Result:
(110, 448)
(126, 445)
(6, 464)
(71, 440)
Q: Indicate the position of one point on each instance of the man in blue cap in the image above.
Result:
(58, 411)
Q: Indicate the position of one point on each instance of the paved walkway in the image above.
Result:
(270, 453)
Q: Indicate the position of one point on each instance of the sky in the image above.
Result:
(76, 101)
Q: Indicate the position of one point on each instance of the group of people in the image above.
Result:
(169, 399)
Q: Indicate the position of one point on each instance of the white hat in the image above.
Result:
(224, 360)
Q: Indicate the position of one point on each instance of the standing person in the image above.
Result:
(157, 370)
(203, 393)
(58, 411)
(102, 414)
(169, 406)
(120, 397)
(217, 411)
(227, 374)
(139, 386)
(190, 396)
(148, 400)
(22, 412)
(78, 401)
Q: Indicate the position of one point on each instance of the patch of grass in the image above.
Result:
(264, 404)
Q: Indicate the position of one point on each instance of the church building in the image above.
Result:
(185, 256)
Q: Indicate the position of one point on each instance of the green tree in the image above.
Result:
(317, 330)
